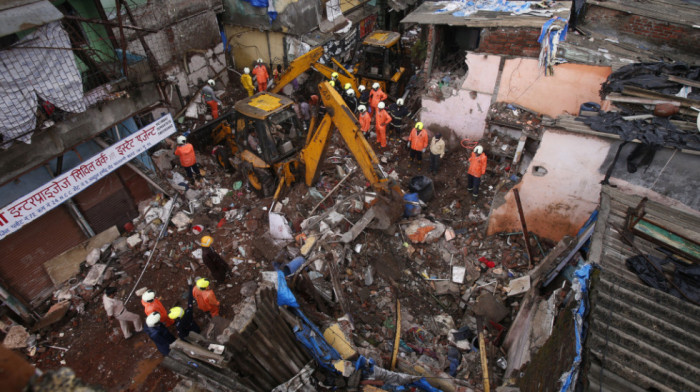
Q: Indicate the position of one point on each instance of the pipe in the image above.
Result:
(293, 265)
(524, 226)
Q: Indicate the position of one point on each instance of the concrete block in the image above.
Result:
(519, 285)
(424, 231)
(93, 276)
(133, 240)
(16, 337)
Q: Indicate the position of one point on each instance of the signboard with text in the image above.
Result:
(52, 194)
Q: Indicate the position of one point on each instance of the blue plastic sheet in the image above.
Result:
(466, 8)
(582, 275)
(284, 294)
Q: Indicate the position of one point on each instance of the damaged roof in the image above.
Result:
(682, 12)
(639, 337)
(428, 13)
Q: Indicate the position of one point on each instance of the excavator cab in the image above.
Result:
(381, 62)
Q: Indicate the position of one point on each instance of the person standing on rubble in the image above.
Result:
(381, 120)
(261, 75)
(365, 119)
(115, 310)
(349, 97)
(217, 266)
(247, 82)
(152, 304)
(363, 99)
(437, 151)
(184, 318)
(159, 333)
(205, 297)
(477, 168)
(210, 98)
(417, 143)
(398, 113)
(376, 96)
(188, 159)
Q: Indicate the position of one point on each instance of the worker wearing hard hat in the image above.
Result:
(477, 168)
(261, 75)
(152, 304)
(188, 159)
(205, 297)
(159, 333)
(363, 99)
(398, 113)
(217, 266)
(247, 81)
(381, 120)
(365, 119)
(376, 96)
(210, 98)
(350, 98)
(417, 143)
(184, 318)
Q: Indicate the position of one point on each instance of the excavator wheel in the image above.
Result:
(223, 157)
(261, 180)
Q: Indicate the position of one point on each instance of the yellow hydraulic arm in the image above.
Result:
(310, 60)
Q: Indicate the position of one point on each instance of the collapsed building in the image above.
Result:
(463, 295)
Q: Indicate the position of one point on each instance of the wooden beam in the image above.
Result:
(640, 92)
(684, 81)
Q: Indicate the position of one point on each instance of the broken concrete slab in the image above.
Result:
(134, 240)
(94, 275)
(488, 306)
(181, 220)
(519, 285)
(424, 231)
(54, 314)
(444, 287)
(16, 337)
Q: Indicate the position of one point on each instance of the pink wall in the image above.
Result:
(483, 72)
(559, 202)
(523, 83)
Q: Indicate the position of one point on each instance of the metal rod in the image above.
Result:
(332, 190)
(524, 226)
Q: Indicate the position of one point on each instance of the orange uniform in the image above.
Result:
(157, 306)
(477, 165)
(418, 139)
(206, 300)
(365, 121)
(381, 120)
(376, 96)
(261, 75)
(186, 154)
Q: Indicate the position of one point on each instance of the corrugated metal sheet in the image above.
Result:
(24, 252)
(639, 338)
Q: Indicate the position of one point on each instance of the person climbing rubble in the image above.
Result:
(184, 318)
(205, 297)
(477, 168)
(188, 159)
(437, 151)
(261, 75)
(217, 266)
(159, 333)
(417, 143)
(115, 310)
(381, 120)
(376, 96)
(152, 304)
(365, 119)
(247, 81)
(210, 98)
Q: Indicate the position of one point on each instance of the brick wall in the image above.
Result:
(652, 30)
(510, 41)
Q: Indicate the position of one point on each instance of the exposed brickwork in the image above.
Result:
(510, 41)
(655, 31)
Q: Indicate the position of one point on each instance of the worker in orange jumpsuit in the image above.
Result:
(365, 119)
(261, 75)
(417, 143)
(206, 300)
(381, 120)
(188, 159)
(152, 304)
(477, 168)
(376, 96)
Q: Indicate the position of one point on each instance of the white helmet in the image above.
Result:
(211, 82)
(259, 61)
(375, 86)
(153, 319)
(181, 140)
(478, 150)
(361, 88)
(381, 105)
(362, 108)
(148, 296)
(246, 70)
(350, 92)
(399, 101)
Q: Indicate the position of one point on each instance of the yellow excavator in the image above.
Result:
(264, 140)
(380, 62)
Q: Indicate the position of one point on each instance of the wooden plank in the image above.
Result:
(687, 18)
(641, 92)
(643, 101)
(684, 81)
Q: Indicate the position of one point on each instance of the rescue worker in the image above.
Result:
(349, 97)
(365, 119)
(477, 168)
(376, 96)
(206, 300)
(188, 159)
(159, 333)
(217, 266)
(417, 143)
(115, 310)
(277, 74)
(210, 98)
(334, 77)
(398, 113)
(381, 120)
(437, 151)
(314, 106)
(363, 99)
(336, 87)
(184, 318)
(261, 75)
(247, 82)
(152, 304)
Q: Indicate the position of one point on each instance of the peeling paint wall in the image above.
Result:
(293, 16)
(200, 67)
(248, 45)
(523, 83)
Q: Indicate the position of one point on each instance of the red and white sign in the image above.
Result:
(43, 199)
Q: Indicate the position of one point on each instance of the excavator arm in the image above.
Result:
(308, 61)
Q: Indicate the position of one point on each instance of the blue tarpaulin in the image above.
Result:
(271, 12)
(582, 276)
